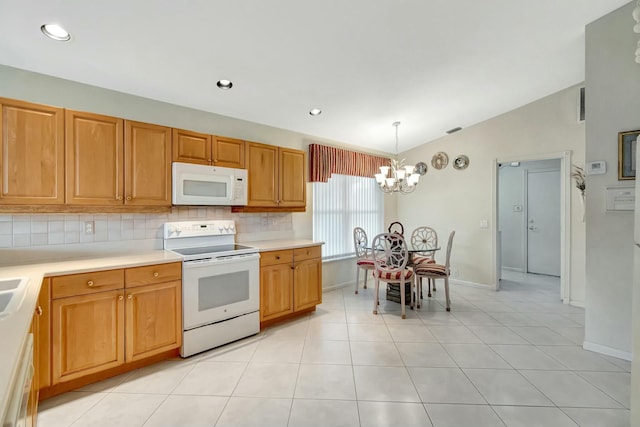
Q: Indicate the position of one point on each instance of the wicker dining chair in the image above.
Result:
(363, 259)
(390, 257)
(437, 271)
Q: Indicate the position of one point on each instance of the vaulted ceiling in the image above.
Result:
(431, 64)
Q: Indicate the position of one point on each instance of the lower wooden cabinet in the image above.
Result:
(105, 319)
(290, 282)
(88, 334)
(153, 319)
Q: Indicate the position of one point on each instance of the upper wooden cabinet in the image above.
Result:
(147, 164)
(31, 154)
(113, 162)
(193, 147)
(228, 152)
(262, 163)
(276, 176)
(95, 159)
(292, 180)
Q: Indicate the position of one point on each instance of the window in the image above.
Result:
(340, 205)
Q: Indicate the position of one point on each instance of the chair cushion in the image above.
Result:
(365, 262)
(393, 275)
(423, 259)
(431, 270)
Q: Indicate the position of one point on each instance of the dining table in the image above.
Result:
(393, 289)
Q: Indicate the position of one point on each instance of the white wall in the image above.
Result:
(613, 105)
(512, 223)
(449, 199)
(39, 88)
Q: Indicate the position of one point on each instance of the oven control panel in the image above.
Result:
(173, 230)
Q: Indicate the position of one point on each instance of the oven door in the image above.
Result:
(221, 288)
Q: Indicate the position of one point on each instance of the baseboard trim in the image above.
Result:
(338, 286)
(465, 283)
(575, 303)
(608, 351)
(519, 270)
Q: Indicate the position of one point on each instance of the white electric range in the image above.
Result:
(220, 283)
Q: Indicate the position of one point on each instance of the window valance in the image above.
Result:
(325, 160)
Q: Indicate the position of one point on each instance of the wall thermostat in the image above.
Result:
(596, 168)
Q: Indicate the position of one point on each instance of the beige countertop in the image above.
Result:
(275, 245)
(14, 328)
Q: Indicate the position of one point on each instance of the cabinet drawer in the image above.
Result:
(301, 254)
(86, 283)
(150, 274)
(276, 257)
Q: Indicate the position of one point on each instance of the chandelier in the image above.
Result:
(397, 178)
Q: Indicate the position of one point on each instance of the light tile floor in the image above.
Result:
(510, 358)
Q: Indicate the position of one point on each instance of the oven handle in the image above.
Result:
(221, 260)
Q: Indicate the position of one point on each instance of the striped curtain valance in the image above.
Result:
(325, 160)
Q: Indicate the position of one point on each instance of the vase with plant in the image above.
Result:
(579, 176)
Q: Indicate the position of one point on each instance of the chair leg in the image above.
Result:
(402, 300)
(446, 292)
(375, 296)
(434, 284)
(366, 274)
(418, 290)
(429, 280)
(358, 278)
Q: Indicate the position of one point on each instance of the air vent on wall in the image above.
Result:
(454, 130)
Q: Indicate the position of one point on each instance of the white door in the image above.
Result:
(543, 222)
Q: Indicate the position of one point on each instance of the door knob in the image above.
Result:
(532, 227)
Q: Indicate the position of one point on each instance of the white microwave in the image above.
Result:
(208, 185)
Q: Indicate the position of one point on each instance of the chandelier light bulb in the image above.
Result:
(636, 28)
(636, 13)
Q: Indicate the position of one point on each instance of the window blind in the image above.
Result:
(341, 204)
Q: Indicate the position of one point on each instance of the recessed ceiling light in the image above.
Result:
(225, 84)
(56, 32)
(315, 112)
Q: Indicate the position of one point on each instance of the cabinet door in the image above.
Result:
(88, 334)
(32, 402)
(31, 153)
(191, 147)
(43, 338)
(94, 159)
(276, 291)
(147, 164)
(307, 291)
(262, 163)
(228, 152)
(292, 178)
(154, 319)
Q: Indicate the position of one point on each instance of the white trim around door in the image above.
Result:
(565, 217)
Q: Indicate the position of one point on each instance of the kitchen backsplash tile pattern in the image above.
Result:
(26, 230)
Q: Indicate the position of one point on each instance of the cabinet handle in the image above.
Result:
(155, 274)
(128, 197)
(90, 283)
(39, 310)
(215, 160)
(209, 160)
(277, 256)
(119, 198)
(129, 296)
(120, 298)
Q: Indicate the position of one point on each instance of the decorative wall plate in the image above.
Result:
(420, 168)
(440, 160)
(461, 162)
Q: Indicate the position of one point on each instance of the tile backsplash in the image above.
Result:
(28, 230)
